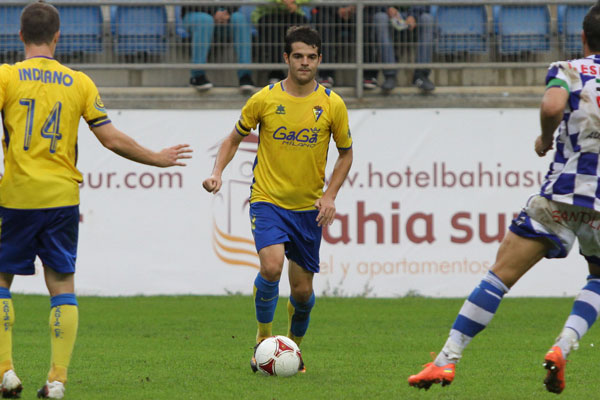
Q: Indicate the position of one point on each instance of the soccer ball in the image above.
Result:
(278, 355)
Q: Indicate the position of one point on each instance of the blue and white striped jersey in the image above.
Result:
(574, 174)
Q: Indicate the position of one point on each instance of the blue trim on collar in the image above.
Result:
(47, 58)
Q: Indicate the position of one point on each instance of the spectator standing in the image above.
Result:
(412, 24)
(204, 24)
(272, 21)
(338, 29)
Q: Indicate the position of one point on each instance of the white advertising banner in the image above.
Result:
(430, 195)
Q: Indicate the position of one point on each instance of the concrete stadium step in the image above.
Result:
(401, 97)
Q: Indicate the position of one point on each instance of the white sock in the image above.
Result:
(450, 354)
(567, 340)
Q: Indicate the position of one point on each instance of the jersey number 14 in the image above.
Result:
(50, 129)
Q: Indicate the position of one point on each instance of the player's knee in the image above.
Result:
(270, 271)
(301, 292)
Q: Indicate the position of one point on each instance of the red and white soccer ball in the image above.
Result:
(278, 355)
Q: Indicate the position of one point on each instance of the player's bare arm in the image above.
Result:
(326, 204)
(125, 146)
(227, 150)
(551, 113)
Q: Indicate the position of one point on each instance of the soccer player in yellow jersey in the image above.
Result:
(42, 102)
(288, 208)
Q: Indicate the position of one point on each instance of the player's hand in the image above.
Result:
(542, 147)
(326, 207)
(170, 156)
(212, 184)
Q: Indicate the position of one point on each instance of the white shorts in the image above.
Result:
(561, 223)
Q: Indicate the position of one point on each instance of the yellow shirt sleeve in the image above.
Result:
(93, 110)
(340, 126)
(250, 117)
(4, 77)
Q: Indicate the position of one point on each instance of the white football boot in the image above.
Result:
(11, 385)
(52, 390)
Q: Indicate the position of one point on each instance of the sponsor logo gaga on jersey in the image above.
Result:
(306, 137)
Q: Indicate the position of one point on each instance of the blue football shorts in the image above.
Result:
(561, 224)
(51, 234)
(298, 230)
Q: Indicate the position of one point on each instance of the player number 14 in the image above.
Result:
(50, 129)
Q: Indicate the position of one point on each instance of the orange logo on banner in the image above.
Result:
(229, 248)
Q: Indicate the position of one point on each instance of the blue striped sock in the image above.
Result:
(585, 309)
(301, 316)
(479, 309)
(475, 314)
(266, 295)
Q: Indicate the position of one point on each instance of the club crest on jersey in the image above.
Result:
(99, 105)
(280, 110)
(317, 111)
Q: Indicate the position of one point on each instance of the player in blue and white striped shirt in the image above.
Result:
(567, 207)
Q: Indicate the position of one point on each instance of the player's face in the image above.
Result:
(303, 62)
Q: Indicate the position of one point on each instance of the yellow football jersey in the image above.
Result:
(294, 136)
(42, 102)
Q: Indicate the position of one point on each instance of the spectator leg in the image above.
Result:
(241, 31)
(326, 23)
(201, 27)
(385, 41)
(425, 41)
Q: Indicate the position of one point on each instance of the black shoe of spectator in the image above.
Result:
(389, 84)
(421, 80)
(370, 83)
(326, 81)
(200, 82)
(246, 84)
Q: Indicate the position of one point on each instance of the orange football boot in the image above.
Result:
(432, 374)
(301, 367)
(555, 363)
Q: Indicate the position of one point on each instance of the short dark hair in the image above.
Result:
(39, 23)
(304, 34)
(591, 27)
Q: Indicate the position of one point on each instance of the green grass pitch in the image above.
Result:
(198, 347)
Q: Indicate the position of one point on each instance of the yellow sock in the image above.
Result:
(264, 331)
(8, 319)
(63, 331)
(291, 310)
